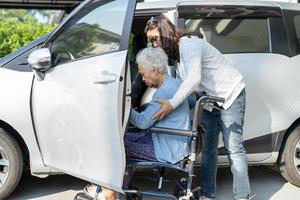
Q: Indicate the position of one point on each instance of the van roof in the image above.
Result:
(172, 4)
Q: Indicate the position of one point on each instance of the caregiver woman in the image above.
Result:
(202, 67)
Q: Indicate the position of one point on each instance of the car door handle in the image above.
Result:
(105, 78)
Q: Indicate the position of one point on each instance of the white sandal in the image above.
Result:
(90, 190)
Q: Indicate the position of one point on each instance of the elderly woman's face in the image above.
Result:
(154, 37)
(150, 76)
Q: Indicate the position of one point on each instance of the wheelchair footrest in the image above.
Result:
(151, 193)
(82, 196)
(135, 163)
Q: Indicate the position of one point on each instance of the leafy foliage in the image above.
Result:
(16, 31)
(16, 14)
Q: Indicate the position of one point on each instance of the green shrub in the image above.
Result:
(15, 34)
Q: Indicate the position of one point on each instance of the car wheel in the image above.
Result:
(11, 164)
(290, 158)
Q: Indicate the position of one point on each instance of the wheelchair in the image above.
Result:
(183, 189)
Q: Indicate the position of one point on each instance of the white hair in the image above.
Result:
(153, 58)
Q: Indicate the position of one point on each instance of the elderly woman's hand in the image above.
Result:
(166, 107)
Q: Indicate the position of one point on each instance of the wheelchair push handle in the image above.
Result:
(208, 98)
(215, 99)
(211, 101)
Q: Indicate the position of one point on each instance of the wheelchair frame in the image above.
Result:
(186, 165)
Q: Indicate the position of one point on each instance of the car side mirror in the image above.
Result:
(40, 61)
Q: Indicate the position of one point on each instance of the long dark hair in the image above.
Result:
(169, 36)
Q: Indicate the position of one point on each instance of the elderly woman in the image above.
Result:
(152, 65)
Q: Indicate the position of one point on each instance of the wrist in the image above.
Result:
(172, 103)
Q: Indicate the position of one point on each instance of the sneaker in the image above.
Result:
(251, 197)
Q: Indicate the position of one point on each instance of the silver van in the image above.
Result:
(68, 111)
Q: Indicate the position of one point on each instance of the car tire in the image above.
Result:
(11, 164)
(289, 162)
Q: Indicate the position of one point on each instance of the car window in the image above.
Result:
(97, 31)
(297, 29)
(233, 35)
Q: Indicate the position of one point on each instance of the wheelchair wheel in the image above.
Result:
(132, 196)
(180, 190)
(196, 195)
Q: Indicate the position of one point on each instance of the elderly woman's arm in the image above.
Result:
(144, 119)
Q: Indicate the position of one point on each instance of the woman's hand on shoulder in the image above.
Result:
(165, 109)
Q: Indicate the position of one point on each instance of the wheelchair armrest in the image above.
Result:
(170, 131)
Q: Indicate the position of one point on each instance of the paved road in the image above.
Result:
(266, 184)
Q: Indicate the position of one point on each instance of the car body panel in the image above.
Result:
(294, 111)
(15, 101)
(288, 6)
(264, 115)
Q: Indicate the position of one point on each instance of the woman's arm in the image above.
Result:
(191, 54)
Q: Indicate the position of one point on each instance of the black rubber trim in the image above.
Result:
(280, 140)
(231, 11)
(127, 25)
(279, 39)
(32, 120)
(124, 46)
(294, 45)
(124, 80)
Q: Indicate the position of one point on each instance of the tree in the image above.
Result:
(15, 33)
(17, 14)
(19, 27)
(43, 16)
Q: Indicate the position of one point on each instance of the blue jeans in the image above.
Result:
(230, 123)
